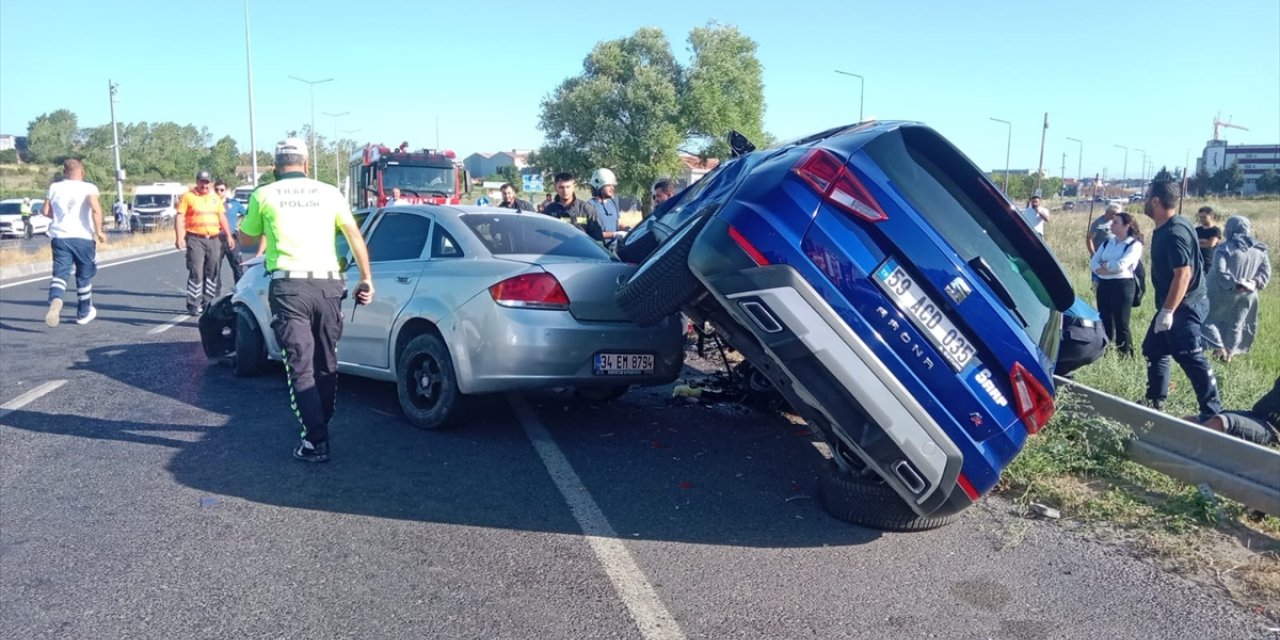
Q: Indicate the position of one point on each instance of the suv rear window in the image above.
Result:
(951, 194)
(531, 234)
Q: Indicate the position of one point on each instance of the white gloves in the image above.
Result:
(1164, 320)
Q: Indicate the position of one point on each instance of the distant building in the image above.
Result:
(693, 168)
(1254, 160)
(8, 141)
(480, 164)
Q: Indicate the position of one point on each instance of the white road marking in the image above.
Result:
(648, 612)
(177, 320)
(101, 266)
(29, 397)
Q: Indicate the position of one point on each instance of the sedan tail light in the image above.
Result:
(837, 185)
(1034, 404)
(530, 291)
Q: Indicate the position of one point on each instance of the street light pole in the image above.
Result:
(248, 57)
(1124, 172)
(337, 177)
(1008, 144)
(1079, 161)
(115, 136)
(1144, 164)
(347, 191)
(861, 84)
(312, 84)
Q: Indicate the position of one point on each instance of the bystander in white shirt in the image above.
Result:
(1117, 259)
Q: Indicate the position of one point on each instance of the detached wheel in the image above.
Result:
(426, 383)
(868, 501)
(663, 284)
(602, 394)
(251, 346)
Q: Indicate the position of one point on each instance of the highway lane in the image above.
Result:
(152, 495)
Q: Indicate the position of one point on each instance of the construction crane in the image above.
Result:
(1217, 122)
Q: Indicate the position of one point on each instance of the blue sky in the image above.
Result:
(1107, 72)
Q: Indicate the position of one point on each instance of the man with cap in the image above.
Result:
(199, 226)
(299, 216)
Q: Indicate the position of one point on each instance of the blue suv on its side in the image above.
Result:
(888, 290)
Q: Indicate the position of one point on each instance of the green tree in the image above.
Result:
(9, 156)
(1227, 180)
(221, 160)
(1268, 182)
(723, 90)
(622, 112)
(511, 174)
(52, 136)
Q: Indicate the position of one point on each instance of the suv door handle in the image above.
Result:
(402, 279)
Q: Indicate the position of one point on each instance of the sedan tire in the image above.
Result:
(426, 383)
(251, 346)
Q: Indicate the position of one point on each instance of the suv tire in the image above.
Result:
(664, 283)
(868, 501)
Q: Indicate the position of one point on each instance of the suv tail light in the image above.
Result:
(837, 185)
(1034, 404)
(530, 291)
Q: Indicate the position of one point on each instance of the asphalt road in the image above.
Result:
(152, 495)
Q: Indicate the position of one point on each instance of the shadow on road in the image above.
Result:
(484, 473)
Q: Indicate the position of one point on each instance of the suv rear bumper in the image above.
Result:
(831, 374)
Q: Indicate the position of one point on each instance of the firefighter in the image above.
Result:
(198, 227)
(298, 216)
(603, 187)
(568, 207)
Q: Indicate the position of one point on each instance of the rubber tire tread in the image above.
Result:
(869, 502)
(251, 346)
(663, 288)
(442, 417)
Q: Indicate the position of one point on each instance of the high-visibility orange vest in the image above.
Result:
(201, 213)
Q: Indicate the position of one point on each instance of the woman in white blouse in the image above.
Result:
(1113, 264)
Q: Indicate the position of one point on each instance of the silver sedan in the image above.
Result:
(472, 300)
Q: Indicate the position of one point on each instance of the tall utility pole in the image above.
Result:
(313, 84)
(1008, 144)
(861, 89)
(1144, 165)
(342, 186)
(1044, 133)
(1063, 189)
(337, 159)
(248, 57)
(115, 136)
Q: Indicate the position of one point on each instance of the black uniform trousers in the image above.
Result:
(1115, 306)
(1182, 343)
(204, 271)
(306, 316)
(233, 259)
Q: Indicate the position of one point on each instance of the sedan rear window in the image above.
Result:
(532, 234)
(945, 189)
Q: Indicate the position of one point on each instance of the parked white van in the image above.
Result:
(154, 205)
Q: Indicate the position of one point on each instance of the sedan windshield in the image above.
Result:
(532, 234)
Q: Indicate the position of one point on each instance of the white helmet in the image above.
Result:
(601, 178)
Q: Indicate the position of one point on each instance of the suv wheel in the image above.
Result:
(866, 500)
(251, 347)
(426, 383)
(663, 284)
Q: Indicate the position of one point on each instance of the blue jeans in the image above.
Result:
(84, 255)
(1182, 344)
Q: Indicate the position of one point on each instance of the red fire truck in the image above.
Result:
(425, 176)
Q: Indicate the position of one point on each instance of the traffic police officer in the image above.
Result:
(25, 210)
(298, 216)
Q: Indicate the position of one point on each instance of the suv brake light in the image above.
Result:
(530, 291)
(1035, 405)
(837, 185)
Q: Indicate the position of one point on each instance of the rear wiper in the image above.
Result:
(983, 269)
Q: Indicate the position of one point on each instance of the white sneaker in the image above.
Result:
(51, 316)
(88, 317)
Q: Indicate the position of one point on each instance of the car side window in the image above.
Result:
(399, 236)
(443, 245)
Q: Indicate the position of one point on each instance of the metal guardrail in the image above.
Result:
(1243, 471)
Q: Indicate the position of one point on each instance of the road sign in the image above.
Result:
(531, 183)
(482, 201)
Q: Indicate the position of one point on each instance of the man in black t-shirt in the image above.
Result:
(1181, 303)
(1209, 235)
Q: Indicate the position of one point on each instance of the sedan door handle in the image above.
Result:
(402, 279)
